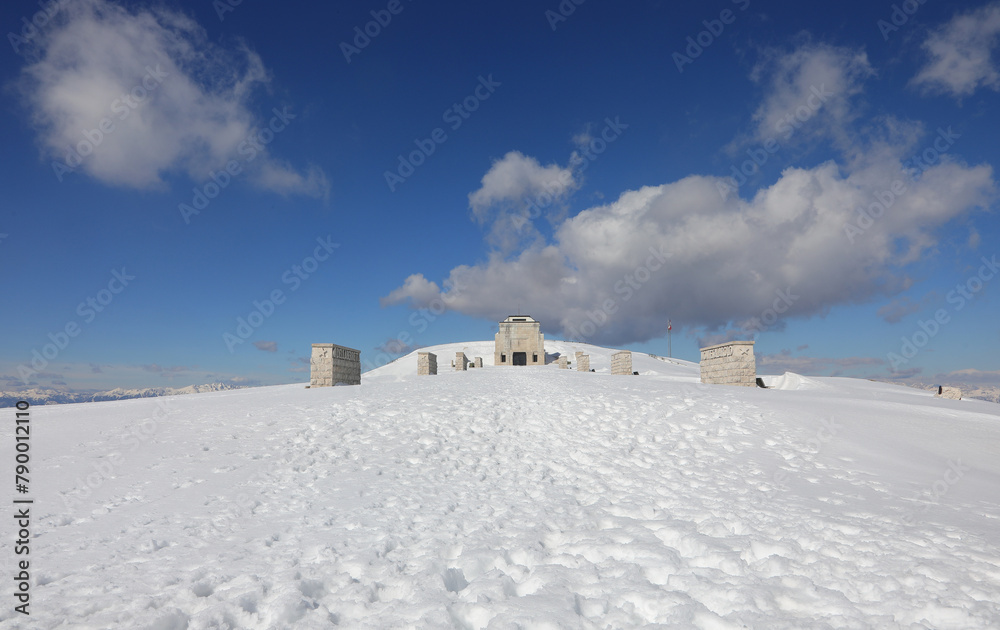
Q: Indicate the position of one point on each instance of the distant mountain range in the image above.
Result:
(991, 394)
(45, 396)
(978, 392)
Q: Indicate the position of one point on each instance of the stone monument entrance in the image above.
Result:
(519, 342)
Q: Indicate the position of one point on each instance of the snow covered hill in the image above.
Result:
(526, 497)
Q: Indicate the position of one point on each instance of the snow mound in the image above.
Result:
(790, 380)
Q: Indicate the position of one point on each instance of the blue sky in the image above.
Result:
(745, 169)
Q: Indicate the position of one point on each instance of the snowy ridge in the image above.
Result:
(528, 497)
(44, 396)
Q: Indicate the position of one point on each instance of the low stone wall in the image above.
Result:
(582, 362)
(621, 362)
(461, 362)
(427, 363)
(331, 365)
(730, 363)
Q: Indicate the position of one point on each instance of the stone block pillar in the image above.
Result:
(427, 363)
(582, 362)
(461, 362)
(331, 364)
(621, 362)
(730, 363)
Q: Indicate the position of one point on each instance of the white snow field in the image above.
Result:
(530, 497)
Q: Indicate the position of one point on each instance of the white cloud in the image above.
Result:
(515, 191)
(813, 366)
(171, 100)
(517, 179)
(615, 273)
(970, 375)
(809, 92)
(417, 289)
(282, 178)
(678, 251)
(961, 54)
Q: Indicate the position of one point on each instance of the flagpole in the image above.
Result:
(670, 349)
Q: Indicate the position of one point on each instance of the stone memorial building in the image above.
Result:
(519, 342)
(331, 365)
(730, 363)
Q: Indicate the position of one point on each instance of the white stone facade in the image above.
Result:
(730, 363)
(621, 362)
(461, 362)
(427, 363)
(331, 365)
(519, 342)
